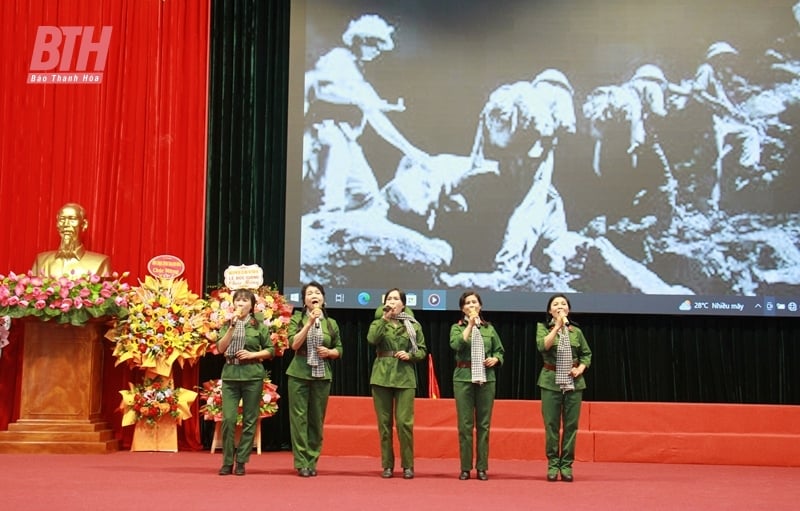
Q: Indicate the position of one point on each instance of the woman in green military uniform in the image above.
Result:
(565, 355)
(399, 344)
(478, 352)
(245, 341)
(316, 340)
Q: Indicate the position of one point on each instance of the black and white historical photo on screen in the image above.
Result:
(607, 146)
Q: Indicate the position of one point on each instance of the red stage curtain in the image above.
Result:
(131, 150)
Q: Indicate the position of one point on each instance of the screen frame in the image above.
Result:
(597, 302)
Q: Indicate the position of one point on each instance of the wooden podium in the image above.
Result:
(62, 387)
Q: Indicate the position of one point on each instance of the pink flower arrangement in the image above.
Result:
(67, 299)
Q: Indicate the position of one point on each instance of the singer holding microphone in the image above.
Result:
(565, 356)
(478, 353)
(399, 345)
(315, 340)
(245, 341)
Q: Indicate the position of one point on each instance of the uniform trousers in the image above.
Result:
(398, 405)
(250, 393)
(560, 409)
(308, 400)
(474, 405)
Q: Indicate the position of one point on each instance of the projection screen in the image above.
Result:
(641, 156)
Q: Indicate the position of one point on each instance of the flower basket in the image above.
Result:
(272, 309)
(211, 401)
(153, 399)
(155, 407)
(164, 325)
(161, 437)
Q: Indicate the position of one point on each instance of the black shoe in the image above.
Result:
(567, 478)
(408, 473)
(482, 475)
(552, 477)
(304, 472)
(387, 473)
(312, 472)
(464, 475)
(226, 470)
(239, 469)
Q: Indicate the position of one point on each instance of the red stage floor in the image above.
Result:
(188, 480)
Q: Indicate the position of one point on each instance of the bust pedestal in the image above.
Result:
(61, 398)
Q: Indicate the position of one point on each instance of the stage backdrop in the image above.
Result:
(637, 357)
(131, 150)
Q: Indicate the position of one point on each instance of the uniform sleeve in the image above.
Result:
(265, 338)
(376, 331)
(295, 325)
(541, 333)
(336, 341)
(497, 350)
(585, 353)
(457, 341)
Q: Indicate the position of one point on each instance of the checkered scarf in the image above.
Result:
(477, 354)
(314, 340)
(564, 361)
(408, 322)
(237, 340)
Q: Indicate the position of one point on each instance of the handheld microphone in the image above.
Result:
(316, 320)
(473, 313)
(387, 308)
(565, 319)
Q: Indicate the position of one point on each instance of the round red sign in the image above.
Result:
(166, 266)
